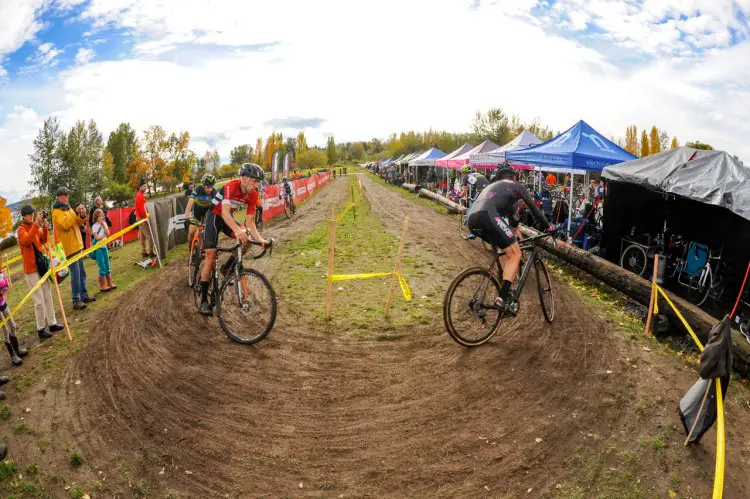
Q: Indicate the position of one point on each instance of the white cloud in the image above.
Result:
(18, 22)
(366, 72)
(16, 137)
(84, 55)
(45, 57)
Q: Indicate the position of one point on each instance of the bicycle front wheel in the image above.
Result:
(287, 209)
(544, 286)
(246, 307)
(469, 309)
(193, 263)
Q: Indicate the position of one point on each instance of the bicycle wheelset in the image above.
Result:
(469, 307)
(197, 285)
(246, 306)
(544, 286)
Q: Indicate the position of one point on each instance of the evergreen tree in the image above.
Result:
(241, 154)
(122, 144)
(45, 160)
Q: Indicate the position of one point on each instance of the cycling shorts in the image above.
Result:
(214, 225)
(199, 212)
(492, 228)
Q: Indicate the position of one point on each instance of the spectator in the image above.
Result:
(32, 237)
(100, 232)
(9, 329)
(66, 223)
(189, 190)
(431, 179)
(98, 205)
(144, 228)
(551, 179)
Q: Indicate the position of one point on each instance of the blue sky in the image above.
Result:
(229, 72)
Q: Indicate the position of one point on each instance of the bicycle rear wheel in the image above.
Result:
(544, 286)
(197, 285)
(246, 306)
(468, 308)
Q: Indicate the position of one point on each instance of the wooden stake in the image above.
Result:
(329, 276)
(59, 297)
(647, 332)
(354, 208)
(397, 268)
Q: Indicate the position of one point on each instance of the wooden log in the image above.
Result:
(443, 200)
(411, 187)
(639, 289)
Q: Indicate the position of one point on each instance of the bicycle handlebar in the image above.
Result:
(266, 249)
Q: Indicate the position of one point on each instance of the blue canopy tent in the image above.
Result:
(579, 150)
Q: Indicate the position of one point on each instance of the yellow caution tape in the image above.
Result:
(720, 444)
(338, 218)
(656, 303)
(67, 264)
(720, 436)
(401, 281)
(682, 319)
(13, 260)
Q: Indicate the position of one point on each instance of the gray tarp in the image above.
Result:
(711, 177)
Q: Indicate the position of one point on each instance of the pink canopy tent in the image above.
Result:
(463, 159)
(458, 152)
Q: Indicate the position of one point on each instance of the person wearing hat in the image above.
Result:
(66, 223)
(32, 237)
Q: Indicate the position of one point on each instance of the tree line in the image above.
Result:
(654, 141)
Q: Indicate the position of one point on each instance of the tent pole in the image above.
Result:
(570, 206)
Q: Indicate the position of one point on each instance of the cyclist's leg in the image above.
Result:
(495, 230)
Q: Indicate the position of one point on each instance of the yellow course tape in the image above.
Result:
(67, 264)
(352, 277)
(720, 437)
(338, 218)
(12, 260)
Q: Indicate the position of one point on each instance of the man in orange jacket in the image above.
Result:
(32, 237)
(144, 228)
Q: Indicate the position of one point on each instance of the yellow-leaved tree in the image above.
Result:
(644, 144)
(258, 154)
(675, 144)
(6, 219)
(631, 140)
(654, 141)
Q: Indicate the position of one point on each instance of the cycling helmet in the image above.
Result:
(285, 179)
(208, 179)
(465, 169)
(251, 170)
(504, 171)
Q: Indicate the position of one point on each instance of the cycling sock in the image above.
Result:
(204, 291)
(505, 289)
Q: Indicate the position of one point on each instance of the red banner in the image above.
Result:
(273, 204)
(119, 218)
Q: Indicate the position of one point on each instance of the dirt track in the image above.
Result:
(163, 394)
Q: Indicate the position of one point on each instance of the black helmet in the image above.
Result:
(251, 170)
(208, 179)
(504, 171)
(62, 191)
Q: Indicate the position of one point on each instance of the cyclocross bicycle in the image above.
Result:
(244, 299)
(196, 250)
(289, 206)
(469, 309)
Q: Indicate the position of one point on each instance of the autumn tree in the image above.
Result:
(654, 143)
(241, 154)
(274, 142)
(311, 158)
(183, 159)
(631, 140)
(331, 151)
(644, 144)
(675, 144)
(301, 142)
(6, 218)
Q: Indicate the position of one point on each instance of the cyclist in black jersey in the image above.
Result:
(494, 218)
(199, 203)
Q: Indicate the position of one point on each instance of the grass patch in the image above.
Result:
(5, 412)
(627, 457)
(31, 469)
(76, 460)
(655, 443)
(363, 245)
(75, 492)
(20, 428)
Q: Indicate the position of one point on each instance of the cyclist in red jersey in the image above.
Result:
(235, 194)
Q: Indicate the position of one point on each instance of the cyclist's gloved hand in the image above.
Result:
(187, 224)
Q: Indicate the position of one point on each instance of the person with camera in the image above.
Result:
(32, 237)
(66, 222)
